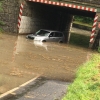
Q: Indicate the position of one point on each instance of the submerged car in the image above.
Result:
(49, 35)
(32, 36)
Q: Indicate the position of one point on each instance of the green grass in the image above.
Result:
(79, 40)
(86, 86)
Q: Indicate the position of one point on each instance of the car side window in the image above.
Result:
(52, 34)
(58, 34)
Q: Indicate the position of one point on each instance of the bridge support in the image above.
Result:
(68, 28)
(95, 35)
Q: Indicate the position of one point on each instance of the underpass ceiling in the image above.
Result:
(67, 10)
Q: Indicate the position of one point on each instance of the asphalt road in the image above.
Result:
(38, 89)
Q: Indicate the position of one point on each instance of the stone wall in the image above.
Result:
(9, 15)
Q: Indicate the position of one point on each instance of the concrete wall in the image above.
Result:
(68, 27)
(40, 16)
(27, 25)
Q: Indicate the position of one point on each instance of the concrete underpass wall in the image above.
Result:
(26, 26)
(36, 16)
(40, 16)
(68, 28)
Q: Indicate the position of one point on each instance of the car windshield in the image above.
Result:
(42, 33)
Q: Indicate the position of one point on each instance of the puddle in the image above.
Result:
(23, 59)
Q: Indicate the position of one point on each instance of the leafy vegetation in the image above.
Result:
(84, 20)
(86, 86)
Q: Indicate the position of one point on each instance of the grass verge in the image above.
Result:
(79, 40)
(86, 86)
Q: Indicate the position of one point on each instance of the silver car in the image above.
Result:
(49, 35)
(32, 36)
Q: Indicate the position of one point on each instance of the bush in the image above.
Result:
(83, 19)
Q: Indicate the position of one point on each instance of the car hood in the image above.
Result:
(32, 35)
(38, 36)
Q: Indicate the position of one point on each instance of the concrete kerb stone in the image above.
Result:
(18, 91)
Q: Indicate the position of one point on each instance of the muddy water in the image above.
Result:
(22, 59)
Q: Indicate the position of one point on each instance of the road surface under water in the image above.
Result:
(22, 59)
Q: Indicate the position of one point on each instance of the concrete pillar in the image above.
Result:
(97, 34)
(68, 28)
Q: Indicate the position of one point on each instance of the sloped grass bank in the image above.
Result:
(86, 86)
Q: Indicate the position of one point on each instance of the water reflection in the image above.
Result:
(40, 44)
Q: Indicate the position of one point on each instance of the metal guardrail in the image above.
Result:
(85, 1)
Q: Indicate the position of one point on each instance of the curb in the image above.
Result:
(20, 90)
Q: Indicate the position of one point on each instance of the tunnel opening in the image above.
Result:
(82, 34)
(81, 31)
(38, 15)
(43, 16)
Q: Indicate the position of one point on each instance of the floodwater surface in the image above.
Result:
(22, 59)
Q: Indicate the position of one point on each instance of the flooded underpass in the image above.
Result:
(22, 59)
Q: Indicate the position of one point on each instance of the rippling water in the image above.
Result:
(22, 59)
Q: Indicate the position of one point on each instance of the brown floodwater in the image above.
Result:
(22, 59)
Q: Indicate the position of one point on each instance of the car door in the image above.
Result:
(52, 37)
(58, 36)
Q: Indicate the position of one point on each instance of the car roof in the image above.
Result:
(51, 30)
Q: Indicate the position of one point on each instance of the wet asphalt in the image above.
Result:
(50, 90)
(38, 89)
